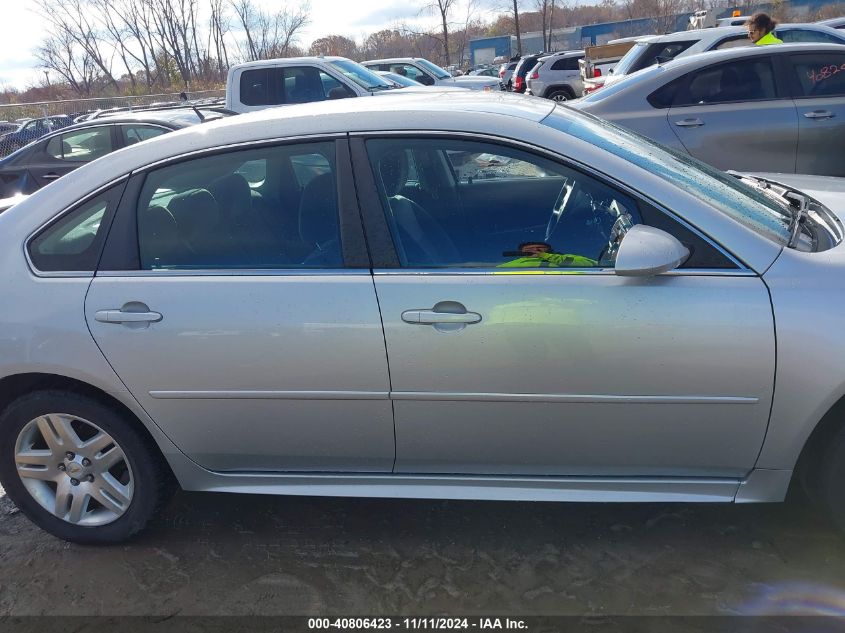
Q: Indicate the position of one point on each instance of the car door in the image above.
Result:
(734, 115)
(514, 349)
(818, 81)
(240, 312)
(63, 153)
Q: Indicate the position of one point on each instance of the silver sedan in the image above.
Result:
(763, 108)
(388, 298)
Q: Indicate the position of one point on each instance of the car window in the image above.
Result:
(805, 35)
(203, 214)
(303, 84)
(735, 41)
(406, 70)
(136, 133)
(258, 87)
(81, 146)
(819, 74)
(659, 53)
(73, 243)
(744, 80)
(508, 209)
(567, 63)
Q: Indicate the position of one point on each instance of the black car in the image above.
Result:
(525, 64)
(58, 153)
(31, 130)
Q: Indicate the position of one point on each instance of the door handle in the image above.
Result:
(51, 176)
(432, 317)
(119, 316)
(819, 114)
(689, 123)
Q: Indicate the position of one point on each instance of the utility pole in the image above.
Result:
(516, 26)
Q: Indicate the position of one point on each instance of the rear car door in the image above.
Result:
(234, 300)
(735, 115)
(515, 349)
(818, 83)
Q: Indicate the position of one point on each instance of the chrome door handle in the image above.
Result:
(119, 316)
(689, 123)
(51, 176)
(431, 317)
(819, 114)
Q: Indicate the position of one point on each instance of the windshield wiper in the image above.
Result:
(799, 216)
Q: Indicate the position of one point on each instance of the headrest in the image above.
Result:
(233, 196)
(195, 212)
(393, 169)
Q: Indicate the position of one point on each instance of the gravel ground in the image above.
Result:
(211, 554)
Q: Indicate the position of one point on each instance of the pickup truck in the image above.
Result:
(274, 82)
(598, 62)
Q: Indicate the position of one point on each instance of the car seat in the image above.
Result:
(421, 241)
(318, 223)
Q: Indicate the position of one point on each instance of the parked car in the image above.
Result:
(506, 74)
(401, 81)
(430, 74)
(834, 23)
(207, 308)
(485, 72)
(524, 64)
(52, 156)
(557, 76)
(30, 130)
(274, 82)
(663, 48)
(759, 108)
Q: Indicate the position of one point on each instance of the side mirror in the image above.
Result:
(646, 251)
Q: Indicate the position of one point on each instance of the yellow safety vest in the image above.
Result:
(767, 39)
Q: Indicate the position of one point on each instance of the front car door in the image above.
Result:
(515, 349)
(716, 113)
(235, 302)
(818, 81)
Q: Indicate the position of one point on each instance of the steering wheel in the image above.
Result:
(570, 188)
(617, 232)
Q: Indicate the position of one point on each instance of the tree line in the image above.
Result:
(118, 47)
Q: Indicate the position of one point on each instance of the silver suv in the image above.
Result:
(557, 76)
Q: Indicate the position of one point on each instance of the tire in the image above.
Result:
(828, 486)
(125, 470)
(560, 94)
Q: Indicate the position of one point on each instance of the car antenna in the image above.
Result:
(199, 114)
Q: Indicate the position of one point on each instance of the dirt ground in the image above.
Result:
(211, 554)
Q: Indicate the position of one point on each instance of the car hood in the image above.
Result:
(829, 190)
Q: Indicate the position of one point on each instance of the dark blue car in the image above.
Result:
(31, 130)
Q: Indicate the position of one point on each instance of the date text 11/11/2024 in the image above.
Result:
(417, 624)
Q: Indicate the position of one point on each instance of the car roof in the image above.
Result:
(748, 51)
(291, 61)
(393, 60)
(572, 53)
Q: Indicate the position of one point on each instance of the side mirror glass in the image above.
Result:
(646, 251)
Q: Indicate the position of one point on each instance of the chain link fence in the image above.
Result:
(13, 112)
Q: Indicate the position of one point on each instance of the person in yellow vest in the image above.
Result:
(540, 255)
(760, 27)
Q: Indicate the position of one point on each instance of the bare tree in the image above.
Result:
(334, 45)
(443, 8)
(62, 54)
(269, 35)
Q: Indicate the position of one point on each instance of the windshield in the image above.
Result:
(628, 59)
(401, 79)
(620, 85)
(360, 75)
(434, 69)
(743, 203)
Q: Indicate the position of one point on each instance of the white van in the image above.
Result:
(274, 82)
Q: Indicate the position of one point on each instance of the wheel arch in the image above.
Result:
(550, 90)
(810, 458)
(14, 386)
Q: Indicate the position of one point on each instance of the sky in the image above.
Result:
(21, 29)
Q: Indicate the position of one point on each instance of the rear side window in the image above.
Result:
(819, 75)
(258, 87)
(136, 133)
(800, 35)
(567, 63)
(81, 146)
(73, 243)
(746, 80)
(292, 84)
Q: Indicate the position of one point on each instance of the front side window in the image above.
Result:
(739, 201)
(204, 214)
(359, 74)
(526, 212)
(81, 146)
(801, 35)
(745, 80)
(736, 41)
(434, 69)
(819, 74)
(74, 242)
